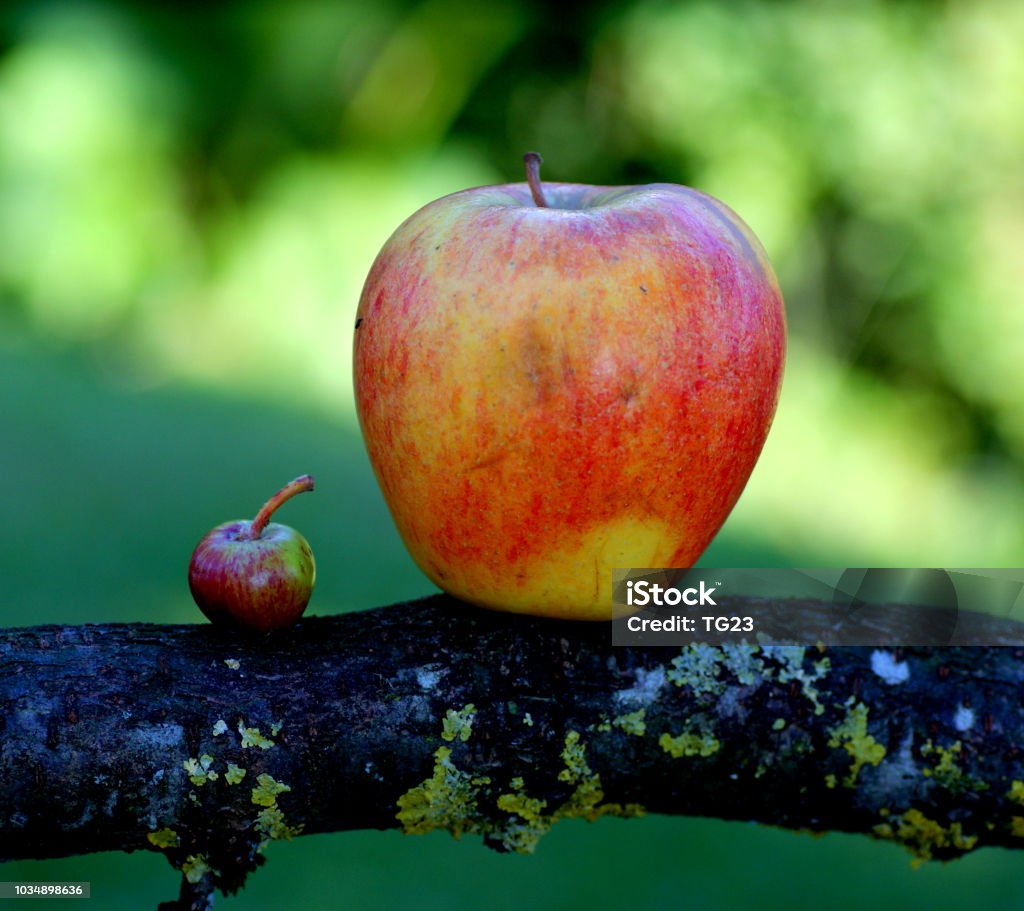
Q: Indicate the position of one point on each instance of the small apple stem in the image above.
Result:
(533, 161)
(299, 485)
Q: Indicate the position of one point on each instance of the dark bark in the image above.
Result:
(193, 896)
(434, 714)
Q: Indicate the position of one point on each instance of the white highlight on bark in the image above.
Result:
(888, 668)
(963, 718)
(645, 690)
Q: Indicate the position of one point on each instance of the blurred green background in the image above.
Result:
(189, 202)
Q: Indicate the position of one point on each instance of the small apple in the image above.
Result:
(554, 380)
(254, 575)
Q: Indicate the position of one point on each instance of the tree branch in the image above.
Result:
(204, 744)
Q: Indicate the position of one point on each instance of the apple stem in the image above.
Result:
(533, 161)
(299, 485)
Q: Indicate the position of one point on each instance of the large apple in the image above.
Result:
(557, 379)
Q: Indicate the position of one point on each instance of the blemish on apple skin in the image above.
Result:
(359, 322)
(491, 460)
(539, 362)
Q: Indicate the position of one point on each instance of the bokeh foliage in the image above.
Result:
(199, 195)
(189, 202)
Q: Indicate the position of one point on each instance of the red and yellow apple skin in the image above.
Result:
(260, 583)
(255, 575)
(547, 393)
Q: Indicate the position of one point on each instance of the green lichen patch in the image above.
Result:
(852, 735)
(574, 755)
(195, 868)
(446, 800)
(527, 825)
(698, 667)
(458, 802)
(793, 667)
(946, 771)
(528, 720)
(523, 837)
(689, 745)
(530, 808)
(275, 728)
(200, 770)
(1017, 826)
(524, 828)
(251, 737)
(163, 838)
(233, 663)
(743, 662)
(458, 723)
(234, 774)
(528, 822)
(266, 790)
(271, 824)
(633, 723)
(923, 836)
(778, 724)
(623, 810)
(1016, 792)
(703, 668)
(220, 726)
(583, 802)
